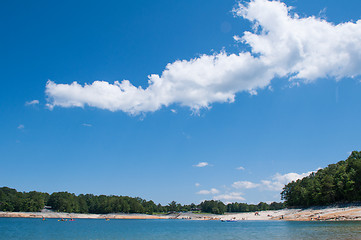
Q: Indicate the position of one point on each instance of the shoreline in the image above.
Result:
(78, 215)
(331, 213)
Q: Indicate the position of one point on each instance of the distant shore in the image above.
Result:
(331, 213)
(79, 215)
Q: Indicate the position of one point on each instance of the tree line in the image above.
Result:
(337, 183)
(14, 201)
(218, 207)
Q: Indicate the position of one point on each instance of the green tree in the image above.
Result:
(337, 183)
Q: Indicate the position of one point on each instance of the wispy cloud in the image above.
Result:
(33, 102)
(240, 168)
(202, 164)
(276, 183)
(232, 196)
(283, 44)
(186, 135)
(86, 125)
(273, 184)
(197, 184)
(21, 126)
(207, 192)
(245, 185)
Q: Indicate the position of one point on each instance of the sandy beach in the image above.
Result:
(79, 215)
(332, 213)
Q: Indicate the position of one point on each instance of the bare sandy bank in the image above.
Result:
(333, 213)
(347, 213)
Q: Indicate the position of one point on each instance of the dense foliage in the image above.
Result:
(89, 203)
(337, 183)
(216, 207)
(13, 201)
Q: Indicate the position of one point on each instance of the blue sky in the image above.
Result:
(255, 119)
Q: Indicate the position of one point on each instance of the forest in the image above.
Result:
(337, 183)
(13, 201)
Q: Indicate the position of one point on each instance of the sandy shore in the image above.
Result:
(79, 215)
(334, 213)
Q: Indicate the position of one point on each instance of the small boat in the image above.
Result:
(232, 220)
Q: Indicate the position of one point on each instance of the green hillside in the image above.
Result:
(337, 183)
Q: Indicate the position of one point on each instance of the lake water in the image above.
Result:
(22, 228)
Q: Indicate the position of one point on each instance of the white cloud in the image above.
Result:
(197, 184)
(282, 45)
(244, 185)
(21, 126)
(87, 125)
(33, 102)
(273, 184)
(279, 181)
(173, 111)
(307, 48)
(196, 83)
(201, 164)
(206, 192)
(240, 168)
(232, 196)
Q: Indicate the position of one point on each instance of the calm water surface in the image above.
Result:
(22, 228)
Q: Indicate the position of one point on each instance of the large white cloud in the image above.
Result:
(282, 45)
(196, 83)
(308, 48)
